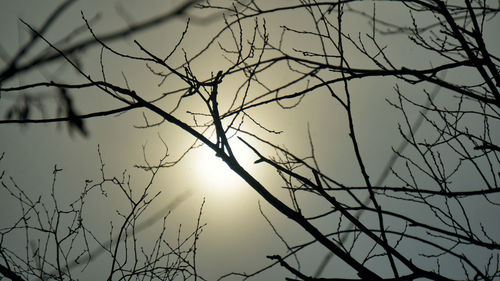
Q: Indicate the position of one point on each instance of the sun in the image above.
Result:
(215, 175)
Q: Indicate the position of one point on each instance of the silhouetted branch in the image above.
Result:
(444, 173)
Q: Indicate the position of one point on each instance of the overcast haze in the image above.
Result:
(237, 237)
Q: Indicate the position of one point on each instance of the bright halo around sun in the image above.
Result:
(216, 176)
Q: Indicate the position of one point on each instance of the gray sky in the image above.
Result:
(237, 237)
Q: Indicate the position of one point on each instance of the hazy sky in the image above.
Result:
(237, 237)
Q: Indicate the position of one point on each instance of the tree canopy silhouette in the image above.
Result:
(424, 210)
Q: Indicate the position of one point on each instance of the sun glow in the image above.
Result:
(215, 175)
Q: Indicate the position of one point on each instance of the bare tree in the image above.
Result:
(61, 238)
(429, 214)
